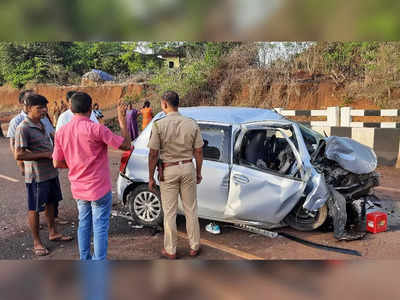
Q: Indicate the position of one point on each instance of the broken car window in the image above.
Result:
(268, 149)
(310, 137)
(216, 142)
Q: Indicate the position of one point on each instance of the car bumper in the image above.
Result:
(122, 184)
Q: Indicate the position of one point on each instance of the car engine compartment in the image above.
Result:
(350, 188)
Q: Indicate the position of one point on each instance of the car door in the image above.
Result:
(262, 194)
(212, 193)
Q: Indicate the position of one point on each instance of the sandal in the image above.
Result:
(40, 251)
(60, 221)
(61, 238)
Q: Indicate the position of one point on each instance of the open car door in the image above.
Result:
(268, 177)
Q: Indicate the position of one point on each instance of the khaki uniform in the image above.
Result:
(176, 137)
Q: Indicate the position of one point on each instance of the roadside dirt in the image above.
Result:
(106, 95)
(302, 95)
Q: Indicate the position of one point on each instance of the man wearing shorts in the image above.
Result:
(34, 145)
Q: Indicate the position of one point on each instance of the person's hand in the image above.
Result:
(122, 107)
(49, 155)
(199, 178)
(152, 184)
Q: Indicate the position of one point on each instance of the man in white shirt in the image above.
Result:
(67, 116)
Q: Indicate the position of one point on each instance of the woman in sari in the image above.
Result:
(146, 113)
(131, 121)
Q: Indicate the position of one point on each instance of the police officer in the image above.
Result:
(176, 139)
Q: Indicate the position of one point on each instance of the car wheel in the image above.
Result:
(145, 205)
(302, 220)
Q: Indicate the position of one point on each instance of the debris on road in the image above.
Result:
(213, 228)
(376, 222)
(256, 230)
(320, 246)
(137, 226)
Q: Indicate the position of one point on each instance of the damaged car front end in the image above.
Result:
(349, 171)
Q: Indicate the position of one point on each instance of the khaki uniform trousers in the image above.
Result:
(180, 180)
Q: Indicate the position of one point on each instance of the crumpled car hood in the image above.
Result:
(351, 155)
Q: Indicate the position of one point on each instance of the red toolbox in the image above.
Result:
(376, 222)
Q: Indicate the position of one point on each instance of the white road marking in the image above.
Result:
(9, 178)
(224, 248)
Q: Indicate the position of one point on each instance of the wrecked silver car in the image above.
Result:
(263, 170)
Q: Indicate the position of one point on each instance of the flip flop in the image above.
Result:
(40, 251)
(61, 221)
(61, 238)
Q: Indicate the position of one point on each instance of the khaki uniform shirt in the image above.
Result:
(176, 137)
(36, 138)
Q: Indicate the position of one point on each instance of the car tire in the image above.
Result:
(145, 206)
(299, 219)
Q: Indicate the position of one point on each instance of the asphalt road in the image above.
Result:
(129, 243)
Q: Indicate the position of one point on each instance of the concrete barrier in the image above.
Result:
(331, 114)
(346, 114)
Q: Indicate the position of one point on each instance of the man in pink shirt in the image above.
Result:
(81, 146)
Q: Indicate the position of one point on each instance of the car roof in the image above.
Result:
(229, 115)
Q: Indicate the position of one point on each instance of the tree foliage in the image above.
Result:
(63, 62)
(201, 59)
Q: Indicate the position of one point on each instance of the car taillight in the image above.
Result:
(124, 160)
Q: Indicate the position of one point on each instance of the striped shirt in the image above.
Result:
(36, 138)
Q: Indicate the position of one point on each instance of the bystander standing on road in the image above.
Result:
(56, 112)
(63, 106)
(176, 140)
(19, 118)
(85, 155)
(147, 114)
(34, 146)
(68, 115)
(131, 121)
(97, 112)
(11, 135)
